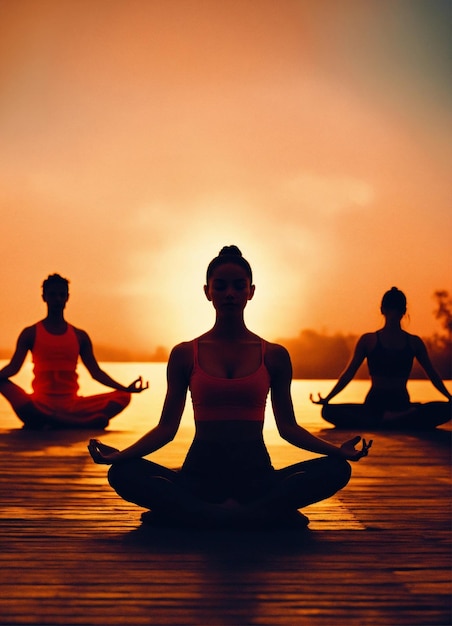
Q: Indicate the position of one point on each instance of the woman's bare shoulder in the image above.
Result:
(182, 351)
(275, 348)
(276, 354)
(180, 362)
(415, 341)
(368, 337)
(367, 341)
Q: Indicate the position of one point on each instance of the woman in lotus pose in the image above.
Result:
(227, 477)
(390, 353)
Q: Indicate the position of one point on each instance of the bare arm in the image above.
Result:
(24, 344)
(347, 375)
(178, 372)
(420, 352)
(91, 364)
(280, 369)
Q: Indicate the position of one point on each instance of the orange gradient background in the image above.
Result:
(139, 137)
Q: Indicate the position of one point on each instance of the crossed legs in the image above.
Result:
(87, 412)
(162, 490)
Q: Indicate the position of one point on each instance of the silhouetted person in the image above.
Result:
(55, 346)
(390, 353)
(227, 477)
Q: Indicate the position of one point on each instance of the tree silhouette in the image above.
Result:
(443, 311)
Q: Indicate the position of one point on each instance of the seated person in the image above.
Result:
(390, 353)
(55, 346)
(227, 478)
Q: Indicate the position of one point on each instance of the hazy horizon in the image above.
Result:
(314, 354)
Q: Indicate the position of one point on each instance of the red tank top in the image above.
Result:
(216, 398)
(55, 362)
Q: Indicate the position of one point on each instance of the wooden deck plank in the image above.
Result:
(377, 554)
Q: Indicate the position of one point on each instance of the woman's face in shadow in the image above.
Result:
(229, 288)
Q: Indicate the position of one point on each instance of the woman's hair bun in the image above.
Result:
(230, 251)
(394, 299)
(229, 254)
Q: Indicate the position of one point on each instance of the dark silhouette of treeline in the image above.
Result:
(316, 355)
(106, 353)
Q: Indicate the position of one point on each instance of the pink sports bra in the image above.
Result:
(218, 399)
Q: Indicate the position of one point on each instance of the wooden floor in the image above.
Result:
(73, 553)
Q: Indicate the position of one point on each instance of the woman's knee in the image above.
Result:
(335, 470)
(115, 475)
(341, 470)
(121, 474)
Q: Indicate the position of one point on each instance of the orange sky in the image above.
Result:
(139, 137)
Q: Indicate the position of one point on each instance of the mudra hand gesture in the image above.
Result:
(101, 453)
(138, 386)
(350, 452)
(319, 400)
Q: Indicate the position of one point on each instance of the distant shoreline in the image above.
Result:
(314, 355)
